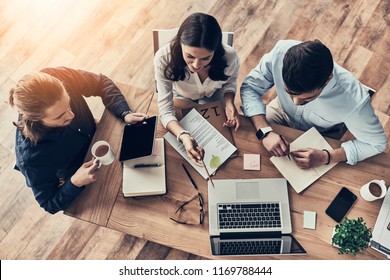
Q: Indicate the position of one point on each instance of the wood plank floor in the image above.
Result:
(114, 37)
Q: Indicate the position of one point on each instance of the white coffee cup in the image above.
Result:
(103, 153)
(373, 190)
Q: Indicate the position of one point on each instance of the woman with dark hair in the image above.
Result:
(196, 66)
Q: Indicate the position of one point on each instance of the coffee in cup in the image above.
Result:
(103, 153)
(373, 190)
(102, 150)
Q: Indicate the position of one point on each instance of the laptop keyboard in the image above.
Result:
(259, 215)
(250, 247)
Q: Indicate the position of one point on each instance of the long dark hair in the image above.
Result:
(200, 31)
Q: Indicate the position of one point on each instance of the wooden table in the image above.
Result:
(148, 217)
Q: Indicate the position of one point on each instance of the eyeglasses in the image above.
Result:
(185, 213)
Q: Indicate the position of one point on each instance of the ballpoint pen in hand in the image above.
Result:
(189, 176)
(288, 155)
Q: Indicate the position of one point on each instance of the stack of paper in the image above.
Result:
(217, 148)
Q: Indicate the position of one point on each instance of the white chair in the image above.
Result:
(162, 37)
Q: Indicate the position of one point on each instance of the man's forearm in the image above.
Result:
(338, 155)
(259, 121)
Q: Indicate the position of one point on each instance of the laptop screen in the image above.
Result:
(138, 139)
(247, 246)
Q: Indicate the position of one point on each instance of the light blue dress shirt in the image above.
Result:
(343, 100)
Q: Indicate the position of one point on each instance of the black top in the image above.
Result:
(49, 165)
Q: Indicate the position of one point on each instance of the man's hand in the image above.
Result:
(307, 158)
(85, 174)
(274, 144)
(194, 152)
(133, 118)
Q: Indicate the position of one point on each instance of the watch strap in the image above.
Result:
(124, 114)
(262, 132)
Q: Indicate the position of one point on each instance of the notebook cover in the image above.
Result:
(146, 180)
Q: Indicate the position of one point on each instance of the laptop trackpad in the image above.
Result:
(247, 190)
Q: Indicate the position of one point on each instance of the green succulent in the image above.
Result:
(352, 236)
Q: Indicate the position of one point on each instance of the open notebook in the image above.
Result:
(299, 178)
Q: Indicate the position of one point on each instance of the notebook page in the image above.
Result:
(313, 139)
(299, 178)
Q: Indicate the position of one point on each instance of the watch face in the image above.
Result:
(259, 134)
(262, 132)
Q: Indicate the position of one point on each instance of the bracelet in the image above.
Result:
(328, 161)
(181, 133)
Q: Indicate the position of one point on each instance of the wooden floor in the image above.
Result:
(114, 37)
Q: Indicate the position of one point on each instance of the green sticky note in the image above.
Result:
(309, 219)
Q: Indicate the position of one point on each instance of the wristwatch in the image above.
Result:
(124, 114)
(262, 132)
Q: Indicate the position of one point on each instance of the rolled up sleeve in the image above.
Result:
(369, 133)
(258, 82)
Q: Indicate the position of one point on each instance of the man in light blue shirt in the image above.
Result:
(312, 91)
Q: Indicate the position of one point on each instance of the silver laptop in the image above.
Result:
(381, 235)
(250, 217)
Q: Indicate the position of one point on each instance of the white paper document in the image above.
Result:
(217, 148)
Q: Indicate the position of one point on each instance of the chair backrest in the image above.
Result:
(162, 37)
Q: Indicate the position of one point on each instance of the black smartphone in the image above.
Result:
(341, 204)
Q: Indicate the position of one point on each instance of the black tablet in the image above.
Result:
(138, 139)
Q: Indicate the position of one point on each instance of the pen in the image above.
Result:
(288, 155)
(208, 174)
(189, 176)
(147, 165)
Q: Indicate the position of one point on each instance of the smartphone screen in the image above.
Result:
(341, 204)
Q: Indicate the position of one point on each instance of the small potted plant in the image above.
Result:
(351, 236)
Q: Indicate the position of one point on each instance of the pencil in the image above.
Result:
(208, 174)
(288, 155)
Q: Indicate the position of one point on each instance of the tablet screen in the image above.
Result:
(138, 139)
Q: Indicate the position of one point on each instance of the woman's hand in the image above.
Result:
(232, 116)
(194, 152)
